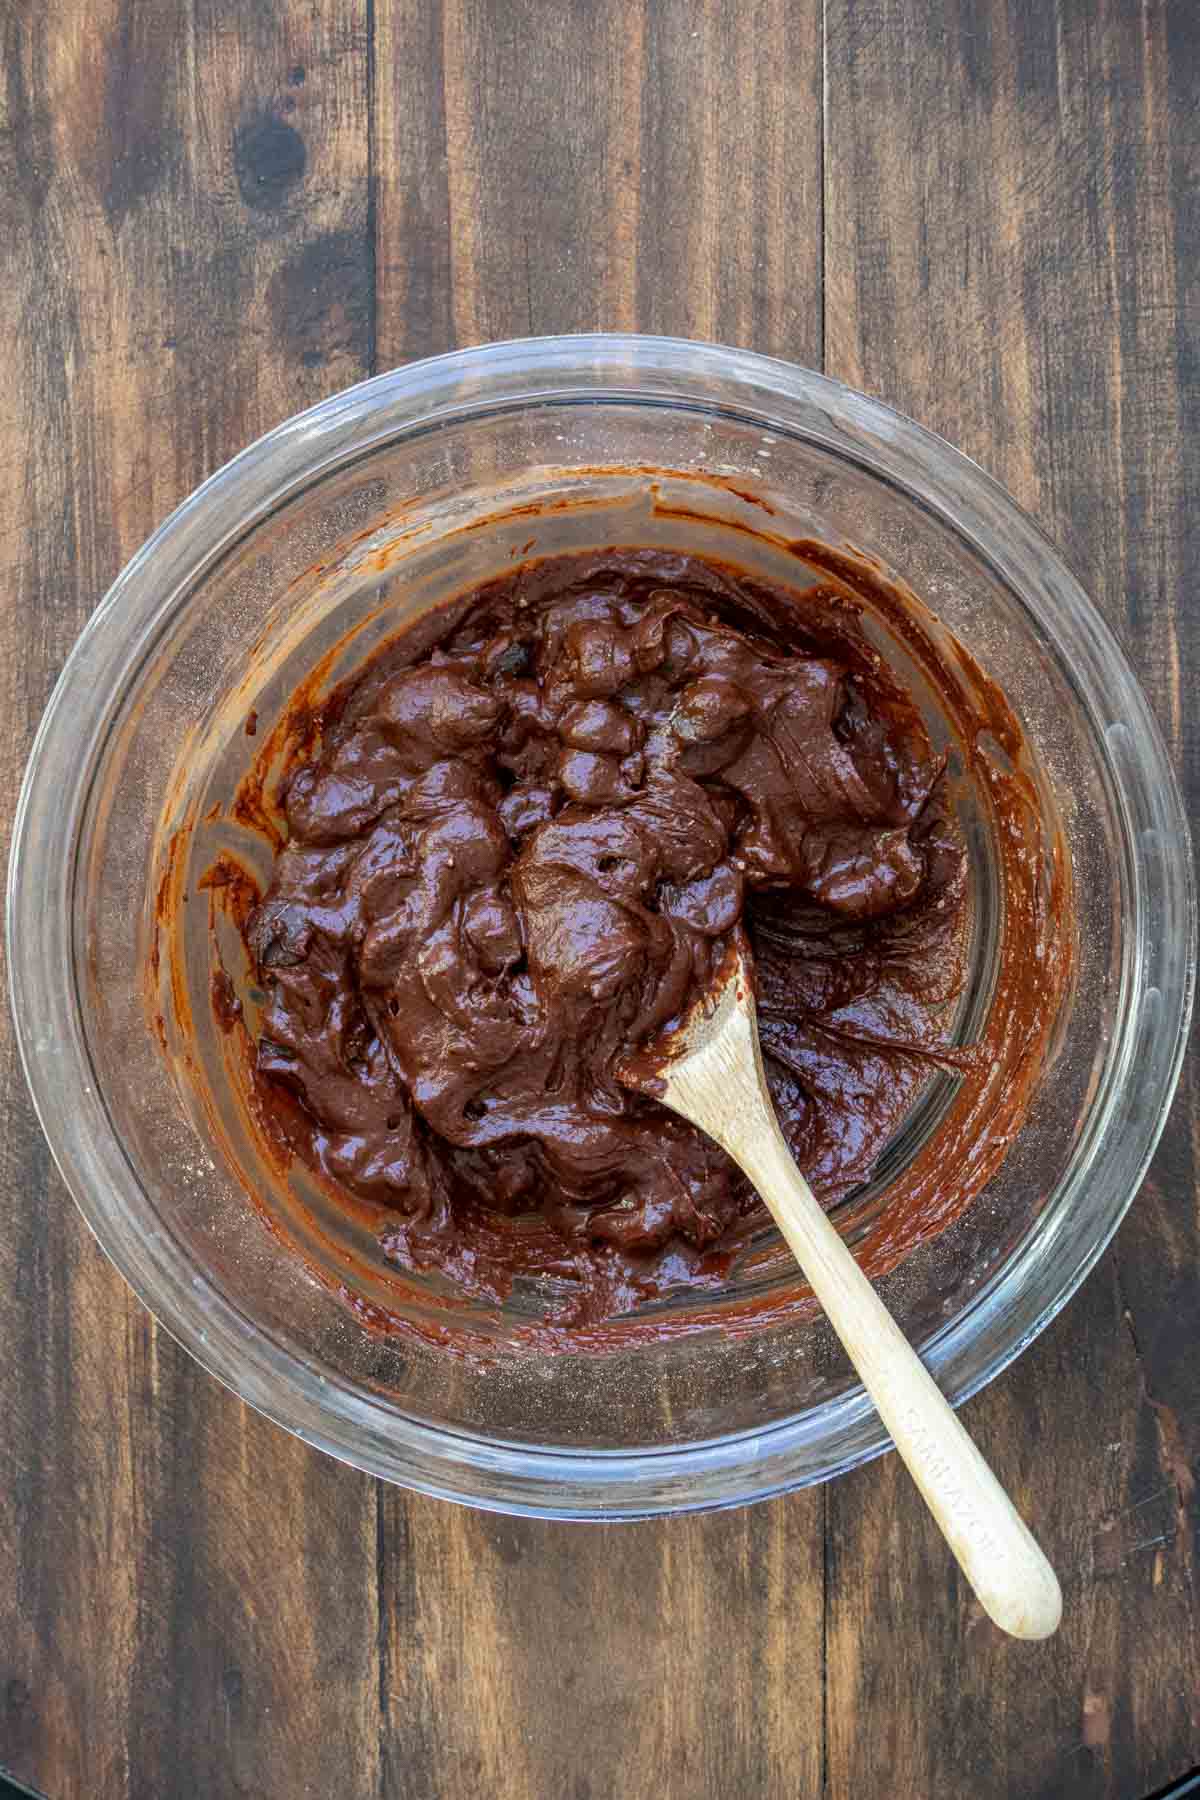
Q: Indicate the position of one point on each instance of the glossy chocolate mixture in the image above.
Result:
(520, 848)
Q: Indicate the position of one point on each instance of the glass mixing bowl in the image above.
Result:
(317, 542)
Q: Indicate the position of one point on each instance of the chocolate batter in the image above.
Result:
(520, 848)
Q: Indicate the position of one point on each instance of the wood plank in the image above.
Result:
(187, 1595)
(1012, 239)
(679, 1658)
(546, 168)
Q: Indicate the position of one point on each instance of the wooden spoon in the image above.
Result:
(709, 1069)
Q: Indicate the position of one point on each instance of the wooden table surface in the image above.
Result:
(212, 214)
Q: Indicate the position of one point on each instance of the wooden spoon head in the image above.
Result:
(652, 1069)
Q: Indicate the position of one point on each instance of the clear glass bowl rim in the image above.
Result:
(492, 1473)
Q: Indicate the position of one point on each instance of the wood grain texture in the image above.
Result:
(652, 165)
(1012, 247)
(529, 1658)
(215, 211)
(186, 261)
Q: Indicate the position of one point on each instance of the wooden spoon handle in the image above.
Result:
(994, 1547)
